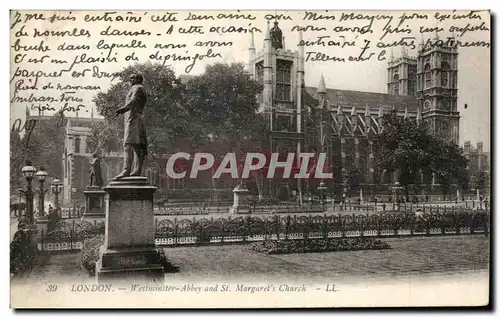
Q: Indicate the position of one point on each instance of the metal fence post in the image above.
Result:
(325, 226)
(71, 236)
(41, 240)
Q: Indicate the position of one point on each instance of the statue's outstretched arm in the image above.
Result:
(138, 93)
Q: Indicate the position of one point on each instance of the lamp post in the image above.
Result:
(19, 210)
(321, 188)
(56, 189)
(28, 172)
(41, 175)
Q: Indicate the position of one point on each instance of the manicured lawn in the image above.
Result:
(407, 256)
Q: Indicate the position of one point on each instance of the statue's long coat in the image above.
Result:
(135, 132)
(95, 165)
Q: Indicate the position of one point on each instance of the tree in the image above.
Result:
(216, 110)
(449, 165)
(404, 149)
(409, 149)
(46, 145)
(224, 96)
(16, 160)
(168, 123)
(352, 178)
(481, 180)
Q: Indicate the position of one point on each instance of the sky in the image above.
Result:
(370, 76)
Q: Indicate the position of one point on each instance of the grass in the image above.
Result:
(407, 256)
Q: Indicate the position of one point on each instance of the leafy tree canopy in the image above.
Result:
(409, 149)
(214, 111)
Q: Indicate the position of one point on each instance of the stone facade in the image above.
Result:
(344, 124)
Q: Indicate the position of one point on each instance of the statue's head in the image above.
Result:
(95, 155)
(275, 23)
(136, 79)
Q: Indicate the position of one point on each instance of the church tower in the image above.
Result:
(402, 75)
(437, 88)
(281, 73)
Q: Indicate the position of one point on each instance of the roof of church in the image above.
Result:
(338, 97)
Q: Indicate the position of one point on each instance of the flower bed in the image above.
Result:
(318, 245)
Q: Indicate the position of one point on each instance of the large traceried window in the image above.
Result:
(412, 71)
(396, 84)
(283, 81)
(77, 145)
(445, 74)
(259, 68)
(428, 75)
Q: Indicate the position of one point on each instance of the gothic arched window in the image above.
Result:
(77, 145)
(445, 74)
(428, 75)
(427, 106)
(396, 84)
(259, 67)
(283, 81)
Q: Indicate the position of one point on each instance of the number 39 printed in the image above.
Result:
(51, 288)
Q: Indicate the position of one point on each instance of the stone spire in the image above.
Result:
(340, 115)
(354, 112)
(268, 68)
(251, 52)
(321, 86)
(354, 117)
(367, 119)
(437, 28)
(380, 112)
(300, 85)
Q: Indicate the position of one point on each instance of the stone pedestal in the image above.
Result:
(240, 206)
(129, 252)
(42, 227)
(95, 203)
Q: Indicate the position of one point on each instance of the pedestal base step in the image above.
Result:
(130, 265)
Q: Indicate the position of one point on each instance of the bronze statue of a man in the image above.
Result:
(135, 143)
(95, 171)
(276, 36)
